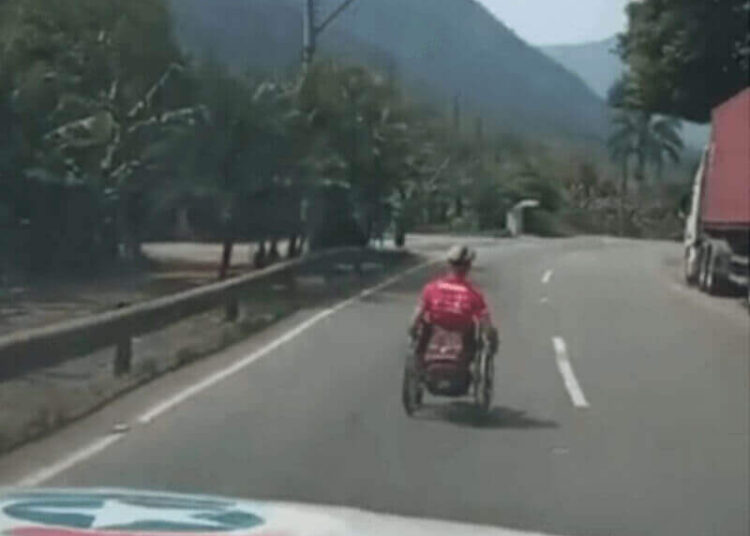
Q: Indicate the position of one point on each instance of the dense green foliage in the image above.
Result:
(117, 138)
(687, 56)
(683, 58)
(83, 90)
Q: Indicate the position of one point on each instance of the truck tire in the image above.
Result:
(716, 282)
(711, 273)
(705, 258)
(691, 265)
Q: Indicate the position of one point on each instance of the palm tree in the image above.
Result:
(646, 138)
(623, 145)
(665, 140)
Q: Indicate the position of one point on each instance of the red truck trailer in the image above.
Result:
(717, 234)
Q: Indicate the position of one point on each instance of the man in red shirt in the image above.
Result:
(453, 303)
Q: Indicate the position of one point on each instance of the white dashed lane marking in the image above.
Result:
(569, 377)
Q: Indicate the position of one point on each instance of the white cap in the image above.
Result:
(461, 255)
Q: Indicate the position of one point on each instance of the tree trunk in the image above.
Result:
(228, 243)
(400, 234)
(128, 234)
(623, 195)
(640, 170)
(183, 230)
(259, 259)
(291, 251)
(273, 251)
(226, 256)
(459, 207)
(127, 247)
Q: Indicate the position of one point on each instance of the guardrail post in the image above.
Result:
(232, 310)
(123, 351)
(124, 357)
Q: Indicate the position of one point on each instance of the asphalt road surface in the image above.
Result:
(622, 407)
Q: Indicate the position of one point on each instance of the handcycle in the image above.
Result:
(448, 363)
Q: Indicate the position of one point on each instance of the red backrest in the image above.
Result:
(444, 346)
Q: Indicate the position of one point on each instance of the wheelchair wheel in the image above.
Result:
(412, 392)
(486, 384)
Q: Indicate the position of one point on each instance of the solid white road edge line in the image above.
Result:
(243, 363)
(51, 471)
(547, 277)
(569, 377)
(99, 445)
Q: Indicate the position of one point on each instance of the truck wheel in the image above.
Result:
(711, 279)
(705, 259)
(717, 283)
(691, 265)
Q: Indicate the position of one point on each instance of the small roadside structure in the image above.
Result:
(515, 218)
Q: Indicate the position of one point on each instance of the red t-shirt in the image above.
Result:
(452, 302)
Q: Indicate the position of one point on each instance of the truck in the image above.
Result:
(717, 230)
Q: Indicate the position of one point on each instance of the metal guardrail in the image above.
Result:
(25, 351)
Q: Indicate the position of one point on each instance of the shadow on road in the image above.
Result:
(466, 415)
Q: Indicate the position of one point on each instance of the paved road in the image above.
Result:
(623, 408)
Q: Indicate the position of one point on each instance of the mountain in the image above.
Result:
(438, 49)
(598, 65)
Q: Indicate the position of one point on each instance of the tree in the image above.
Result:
(120, 150)
(244, 153)
(364, 125)
(665, 142)
(90, 105)
(688, 56)
(646, 138)
(623, 145)
(583, 184)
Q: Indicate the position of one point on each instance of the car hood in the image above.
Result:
(119, 512)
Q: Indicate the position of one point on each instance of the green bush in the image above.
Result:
(541, 222)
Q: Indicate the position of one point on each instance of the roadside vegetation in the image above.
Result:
(683, 59)
(117, 138)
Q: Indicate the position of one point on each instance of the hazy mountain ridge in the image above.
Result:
(438, 48)
(599, 66)
(596, 62)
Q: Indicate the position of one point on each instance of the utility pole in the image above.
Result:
(312, 29)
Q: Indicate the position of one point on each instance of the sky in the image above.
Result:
(553, 22)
